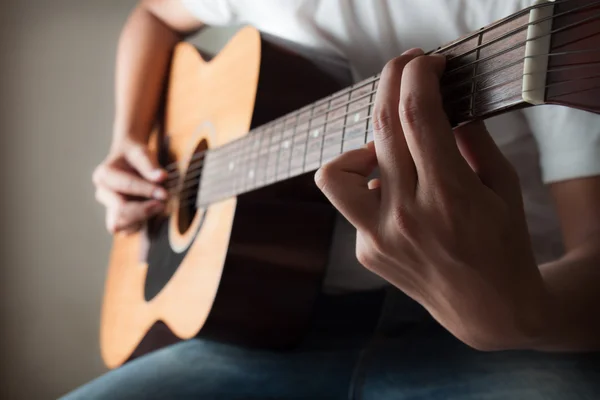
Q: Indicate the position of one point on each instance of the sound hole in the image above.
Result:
(162, 260)
(189, 188)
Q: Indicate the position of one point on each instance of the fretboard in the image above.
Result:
(290, 146)
(484, 76)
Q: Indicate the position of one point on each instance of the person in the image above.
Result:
(488, 236)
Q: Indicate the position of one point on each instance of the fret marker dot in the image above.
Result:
(316, 133)
(251, 174)
(356, 117)
(231, 166)
(286, 144)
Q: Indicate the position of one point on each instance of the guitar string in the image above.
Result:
(597, 16)
(249, 186)
(474, 78)
(322, 138)
(187, 201)
(197, 165)
(520, 44)
(279, 121)
(490, 28)
(340, 105)
(497, 85)
(575, 92)
(195, 172)
(507, 20)
(191, 182)
(361, 122)
(330, 99)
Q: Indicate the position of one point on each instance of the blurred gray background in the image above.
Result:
(56, 106)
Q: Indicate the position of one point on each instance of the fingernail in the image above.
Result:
(159, 194)
(414, 52)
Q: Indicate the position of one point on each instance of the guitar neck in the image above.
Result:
(499, 68)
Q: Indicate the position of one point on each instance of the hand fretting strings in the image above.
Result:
(222, 154)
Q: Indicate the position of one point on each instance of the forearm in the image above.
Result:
(573, 284)
(144, 50)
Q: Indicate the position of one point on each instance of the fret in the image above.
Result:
(240, 167)
(361, 97)
(313, 150)
(482, 75)
(229, 167)
(273, 154)
(475, 69)
(205, 186)
(355, 135)
(255, 139)
(332, 141)
(277, 132)
(285, 148)
(370, 137)
(314, 141)
(458, 85)
(246, 166)
(263, 156)
(300, 142)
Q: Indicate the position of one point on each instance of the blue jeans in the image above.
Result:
(358, 348)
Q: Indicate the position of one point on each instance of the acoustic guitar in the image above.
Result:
(241, 253)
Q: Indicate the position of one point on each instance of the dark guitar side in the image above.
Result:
(281, 235)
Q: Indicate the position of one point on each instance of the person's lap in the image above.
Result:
(431, 364)
(200, 369)
(423, 363)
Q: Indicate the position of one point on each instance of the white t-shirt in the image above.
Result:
(545, 144)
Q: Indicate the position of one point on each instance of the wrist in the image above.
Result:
(127, 132)
(492, 317)
(530, 321)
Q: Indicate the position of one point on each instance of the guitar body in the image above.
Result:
(244, 270)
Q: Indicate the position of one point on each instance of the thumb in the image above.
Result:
(485, 158)
(345, 182)
(140, 158)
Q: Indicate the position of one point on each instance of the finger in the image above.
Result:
(132, 213)
(426, 127)
(395, 163)
(127, 183)
(344, 181)
(108, 198)
(485, 158)
(139, 157)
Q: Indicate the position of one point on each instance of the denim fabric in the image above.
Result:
(354, 351)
